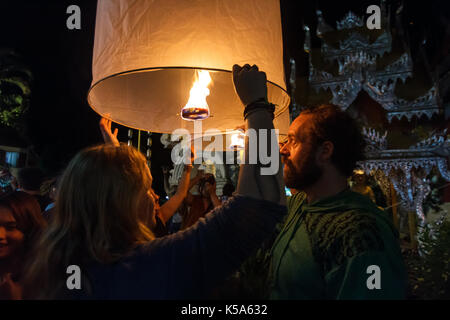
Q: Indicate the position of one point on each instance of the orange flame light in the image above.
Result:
(197, 107)
(238, 141)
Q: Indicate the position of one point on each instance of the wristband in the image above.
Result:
(259, 104)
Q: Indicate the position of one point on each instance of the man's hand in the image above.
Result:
(251, 86)
(108, 136)
(250, 83)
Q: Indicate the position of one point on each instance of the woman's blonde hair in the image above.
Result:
(102, 212)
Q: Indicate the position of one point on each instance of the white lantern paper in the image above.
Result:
(146, 54)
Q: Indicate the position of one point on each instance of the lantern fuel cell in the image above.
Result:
(149, 54)
(197, 107)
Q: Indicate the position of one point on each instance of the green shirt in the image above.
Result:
(325, 248)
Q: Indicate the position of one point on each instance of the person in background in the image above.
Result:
(7, 181)
(227, 191)
(29, 181)
(49, 188)
(21, 223)
(177, 219)
(360, 185)
(199, 205)
(169, 189)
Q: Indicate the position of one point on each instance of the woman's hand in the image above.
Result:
(108, 136)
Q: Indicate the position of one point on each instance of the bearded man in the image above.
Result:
(335, 243)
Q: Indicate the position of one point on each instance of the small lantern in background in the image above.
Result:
(238, 141)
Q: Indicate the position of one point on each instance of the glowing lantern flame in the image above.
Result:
(197, 107)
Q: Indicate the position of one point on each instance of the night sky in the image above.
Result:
(60, 120)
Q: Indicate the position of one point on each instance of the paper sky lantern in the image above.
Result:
(148, 55)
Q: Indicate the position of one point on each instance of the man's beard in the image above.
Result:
(305, 174)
